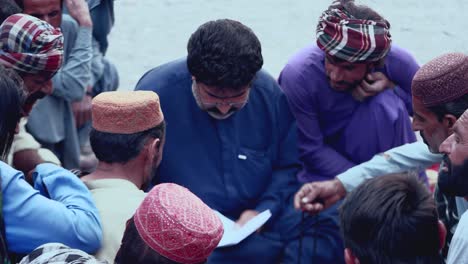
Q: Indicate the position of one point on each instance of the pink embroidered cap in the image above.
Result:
(177, 224)
(126, 112)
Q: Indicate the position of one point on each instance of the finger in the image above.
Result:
(377, 76)
(313, 208)
(299, 195)
(366, 89)
(70, 3)
(297, 200)
(359, 93)
(241, 221)
(313, 192)
(366, 86)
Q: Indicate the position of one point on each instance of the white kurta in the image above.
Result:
(117, 201)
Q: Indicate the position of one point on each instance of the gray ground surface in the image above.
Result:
(148, 33)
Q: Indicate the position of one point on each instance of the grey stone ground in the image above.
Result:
(148, 33)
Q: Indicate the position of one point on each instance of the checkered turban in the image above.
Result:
(350, 39)
(59, 254)
(30, 45)
(177, 224)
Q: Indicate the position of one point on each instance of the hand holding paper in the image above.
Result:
(245, 217)
(233, 234)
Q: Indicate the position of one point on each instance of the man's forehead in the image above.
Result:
(38, 77)
(462, 123)
(420, 108)
(337, 60)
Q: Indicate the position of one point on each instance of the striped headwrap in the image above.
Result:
(350, 39)
(59, 254)
(30, 45)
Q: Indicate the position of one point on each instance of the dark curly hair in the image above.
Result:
(12, 98)
(121, 148)
(224, 53)
(134, 250)
(358, 11)
(391, 219)
(8, 8)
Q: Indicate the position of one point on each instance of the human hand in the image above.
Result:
(245, 217)
(29, 177)
(26, 161)
(82, 111)
(78, 9)
(317, 196)
(371, 85)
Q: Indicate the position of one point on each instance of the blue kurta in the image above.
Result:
(239, 163)
(247, 161)
(58, 208)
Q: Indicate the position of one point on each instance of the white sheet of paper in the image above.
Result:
(233, 234)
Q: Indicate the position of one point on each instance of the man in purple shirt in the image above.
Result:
(350, 93)
(349, 106)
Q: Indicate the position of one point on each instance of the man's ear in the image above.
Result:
(349, 257)
(449, 121)
(442, 234)
(154, 147)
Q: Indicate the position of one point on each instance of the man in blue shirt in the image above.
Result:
(231, 139)
(58, 207)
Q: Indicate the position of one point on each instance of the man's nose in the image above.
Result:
(446, 146)
(46, 18)
(223, 108)
(415, 125)
(336, 74)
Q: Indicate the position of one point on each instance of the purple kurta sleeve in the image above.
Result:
(401, 67)
(321, 162)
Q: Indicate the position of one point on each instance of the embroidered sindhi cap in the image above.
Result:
(177, 224)
(126, 112)
(30, 45)
(441, 80)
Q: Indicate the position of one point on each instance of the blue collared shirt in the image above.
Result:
(246, 161)
(58, 209)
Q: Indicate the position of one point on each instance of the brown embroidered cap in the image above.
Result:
(126, 112)
(441, 80)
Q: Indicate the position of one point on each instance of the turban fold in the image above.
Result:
(441, 80)
(126, 112)
(177, 224)
(351, 39)
(59, 254)
(30, 45)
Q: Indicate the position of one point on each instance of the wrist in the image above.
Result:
(86, 22)
(391, 85)
(339, 188)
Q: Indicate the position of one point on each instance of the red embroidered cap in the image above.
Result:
(442, 79)
(177, 224)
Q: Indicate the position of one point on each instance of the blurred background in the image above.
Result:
(148, 33)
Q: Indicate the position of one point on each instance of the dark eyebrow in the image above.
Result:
(456, 130)
(234, 96)
(35, 15)
(419, 116)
